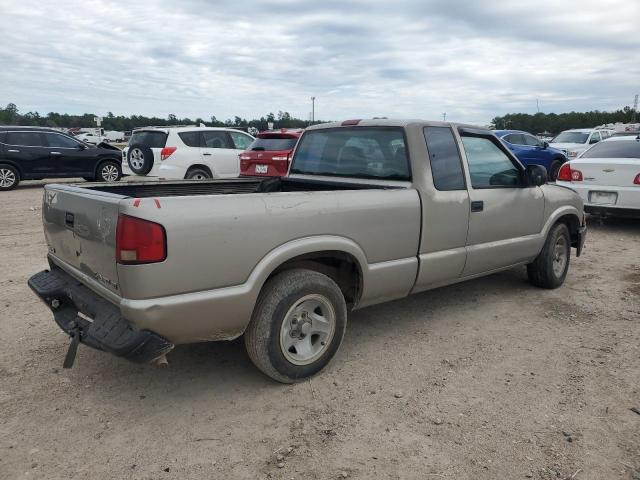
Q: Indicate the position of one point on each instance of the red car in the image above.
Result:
(270, 153)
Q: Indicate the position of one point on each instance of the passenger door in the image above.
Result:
(219, 154)
(445, 212)
(27, 150)
(505, 215)
(69, 156)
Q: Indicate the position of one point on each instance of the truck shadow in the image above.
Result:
(218, 369)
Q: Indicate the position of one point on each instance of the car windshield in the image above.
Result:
(273, 144)
(571, 137)
(614, 149)
(148, 138)
(363, 152)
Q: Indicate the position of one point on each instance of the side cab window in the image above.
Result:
(489, 165)
(444, 157)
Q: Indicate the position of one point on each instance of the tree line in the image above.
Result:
(555, 123)
(10, 115)
(537, 123)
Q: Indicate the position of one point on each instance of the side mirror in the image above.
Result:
(82, 146)
(535, 175)
(545, 145)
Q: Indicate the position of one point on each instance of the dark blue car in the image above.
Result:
(531, 150)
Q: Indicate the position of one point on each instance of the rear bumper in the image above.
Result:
(107, 330)
(609, 211)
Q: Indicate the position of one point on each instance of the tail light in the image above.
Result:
(166, 152)
(139, 241)
(636, 181)
(567, 174)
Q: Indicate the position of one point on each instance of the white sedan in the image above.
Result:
(607, 177)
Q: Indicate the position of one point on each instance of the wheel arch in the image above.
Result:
(199, 165)
(14, 165)
(102, 160)
(339, 258)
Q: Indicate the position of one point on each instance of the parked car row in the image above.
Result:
(28, 153)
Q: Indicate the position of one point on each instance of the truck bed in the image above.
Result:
(182, 188)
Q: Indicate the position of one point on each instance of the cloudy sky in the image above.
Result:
(401, 58)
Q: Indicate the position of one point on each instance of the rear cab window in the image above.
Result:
(149, 138)
(360, 152)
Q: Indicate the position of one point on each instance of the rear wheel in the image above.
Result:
(197, 174)
(550, 267)
(9, 177)
(297, 325)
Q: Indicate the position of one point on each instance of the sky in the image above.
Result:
(400, 59)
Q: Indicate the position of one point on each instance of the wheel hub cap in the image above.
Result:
(7, 177)
(307, 329)
(137, 158)
(560, 256)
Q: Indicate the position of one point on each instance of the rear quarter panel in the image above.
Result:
(217, 241)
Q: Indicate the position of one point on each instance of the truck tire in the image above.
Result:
(297, 325)
(197, 173)
(140, 159)
(109, 171)
(9, 177)
(550, 267)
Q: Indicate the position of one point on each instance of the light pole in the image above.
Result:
(313, 109)
(444, 116)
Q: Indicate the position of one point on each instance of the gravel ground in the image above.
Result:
(490, 379)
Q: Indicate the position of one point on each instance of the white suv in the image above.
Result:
(575, 141)
(185, 152)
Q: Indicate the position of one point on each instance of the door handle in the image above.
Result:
(207, 154)
(55, 153)
(13, 151)
(477, 206)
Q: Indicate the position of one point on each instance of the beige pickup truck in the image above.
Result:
(371, 211)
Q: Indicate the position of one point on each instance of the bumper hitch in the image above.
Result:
(94, 321)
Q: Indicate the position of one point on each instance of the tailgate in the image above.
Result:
(80, 229)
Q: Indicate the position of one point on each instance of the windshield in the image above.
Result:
(618, 149)
(273, 144)
(364, 152)
(571, 137)
(148, 138)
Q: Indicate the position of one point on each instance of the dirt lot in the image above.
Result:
(491, 379)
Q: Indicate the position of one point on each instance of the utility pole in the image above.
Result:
(313, 109)
(538, 105)
(444, 116)
(635, 109)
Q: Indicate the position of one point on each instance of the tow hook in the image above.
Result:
(75, 333)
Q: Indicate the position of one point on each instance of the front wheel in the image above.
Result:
(297, 325)
(550, 267)
(554, 169)
(109, 171)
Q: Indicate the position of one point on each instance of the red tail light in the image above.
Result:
(567, 174)
(139, 241)
(166, 152)
(564, 174)
(636, 181)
